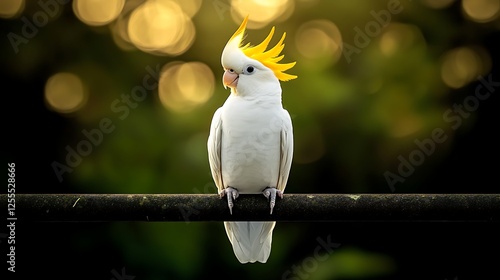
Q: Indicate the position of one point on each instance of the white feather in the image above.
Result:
(250, 148)
(213, 145)
(251, 240)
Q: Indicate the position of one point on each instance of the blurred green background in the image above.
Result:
(117, 97)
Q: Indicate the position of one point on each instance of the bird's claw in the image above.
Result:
(270, 193)
(232, 194)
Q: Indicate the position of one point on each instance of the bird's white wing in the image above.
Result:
(214, 149)
(286, 154)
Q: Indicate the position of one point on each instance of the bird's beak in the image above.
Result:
(230, 79)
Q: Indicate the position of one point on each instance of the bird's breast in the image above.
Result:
(250, 151)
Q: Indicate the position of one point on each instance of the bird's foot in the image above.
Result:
(270, 193)
(232, 194)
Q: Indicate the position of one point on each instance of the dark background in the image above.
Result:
(347, 117)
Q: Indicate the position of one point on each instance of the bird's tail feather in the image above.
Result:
(251, 240)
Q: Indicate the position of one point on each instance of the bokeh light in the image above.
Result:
(151, 69)
(190, 7)
(119, 28)
(11, 8)
(481, 10)
(183, 86)
(268, 11)
(319, 40)
(97, 12)
(65, 93)
(462, 65)
(400, 37)
(161, 27)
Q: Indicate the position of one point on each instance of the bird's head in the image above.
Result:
(250, 70)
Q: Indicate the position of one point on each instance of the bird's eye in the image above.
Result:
(249, 69)
(231, 70)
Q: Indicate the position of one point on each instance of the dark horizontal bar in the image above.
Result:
(293, 207)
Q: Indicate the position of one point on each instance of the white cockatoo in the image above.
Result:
(250, 146)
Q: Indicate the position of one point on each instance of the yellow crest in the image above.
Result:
(269, 58)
